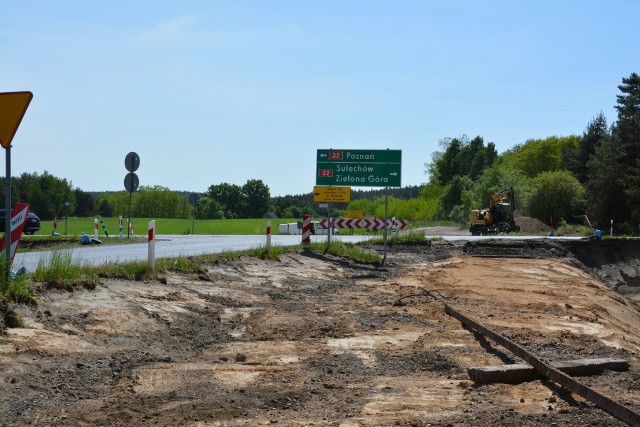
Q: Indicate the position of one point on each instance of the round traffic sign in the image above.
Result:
(131, 182)
(132, 162)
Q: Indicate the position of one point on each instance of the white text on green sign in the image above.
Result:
(359, 156)
(364, 168)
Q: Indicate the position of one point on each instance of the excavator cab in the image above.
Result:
(497, 218)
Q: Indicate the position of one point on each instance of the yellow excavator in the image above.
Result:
(497, 218)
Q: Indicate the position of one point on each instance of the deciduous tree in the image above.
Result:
(555, 196)
(257, 198)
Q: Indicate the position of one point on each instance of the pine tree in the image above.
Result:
(605, 188)
(627, 129)
(596, 133)
(627, 135)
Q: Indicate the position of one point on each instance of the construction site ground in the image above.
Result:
(315, 340)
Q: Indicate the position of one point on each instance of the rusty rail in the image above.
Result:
(608, 405)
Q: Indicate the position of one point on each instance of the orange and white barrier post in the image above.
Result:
(268, 235)
(95, 228)
(55, 226)
(306, 229)
(130, 226)
(152, 244)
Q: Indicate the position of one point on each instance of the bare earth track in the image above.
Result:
(316, 340)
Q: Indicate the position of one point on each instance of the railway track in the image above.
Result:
(613, 408)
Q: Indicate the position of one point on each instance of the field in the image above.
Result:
(76, 226)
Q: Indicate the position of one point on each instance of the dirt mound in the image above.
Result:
(530, 226)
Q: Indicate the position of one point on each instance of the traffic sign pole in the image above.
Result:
(131, 182)
(386, 223)
(329, 230)
(7, 217)
(129, 212)
(13, 106)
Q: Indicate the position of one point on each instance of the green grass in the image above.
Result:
(76, 226)
(58, 270)
(17, 289)
(403, 238)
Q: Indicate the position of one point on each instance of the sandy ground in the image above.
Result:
(315, 340)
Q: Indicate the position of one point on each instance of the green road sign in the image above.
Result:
(363, 168)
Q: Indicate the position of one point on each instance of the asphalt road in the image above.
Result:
(186, 245)
(169, 246)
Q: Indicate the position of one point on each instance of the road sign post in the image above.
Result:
(131, 182)
(13, 106)
(363, 168)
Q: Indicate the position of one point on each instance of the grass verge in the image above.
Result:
(58, 269)
(405, 238)
(17, 288)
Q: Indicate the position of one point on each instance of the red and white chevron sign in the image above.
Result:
(18, 218)
(366, 223)
(348, 223)
(375, 224)
(400, 224)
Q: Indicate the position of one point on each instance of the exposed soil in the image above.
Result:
(530, 226)
(316, 340)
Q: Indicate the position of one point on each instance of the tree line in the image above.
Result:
(558, 178)
(50, 196)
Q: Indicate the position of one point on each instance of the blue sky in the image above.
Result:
(226, 91)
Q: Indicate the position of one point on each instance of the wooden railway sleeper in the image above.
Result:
(617, 410)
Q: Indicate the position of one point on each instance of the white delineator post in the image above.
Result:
(152, 244)
(268, 235)
(95, 229)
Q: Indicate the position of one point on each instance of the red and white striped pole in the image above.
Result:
(55, 226)
(95, 228)
(306, 229)
(130, 226)
(152, 244)
(268, 235)
(120, 225)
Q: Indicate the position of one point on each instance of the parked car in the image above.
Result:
(31, 225)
